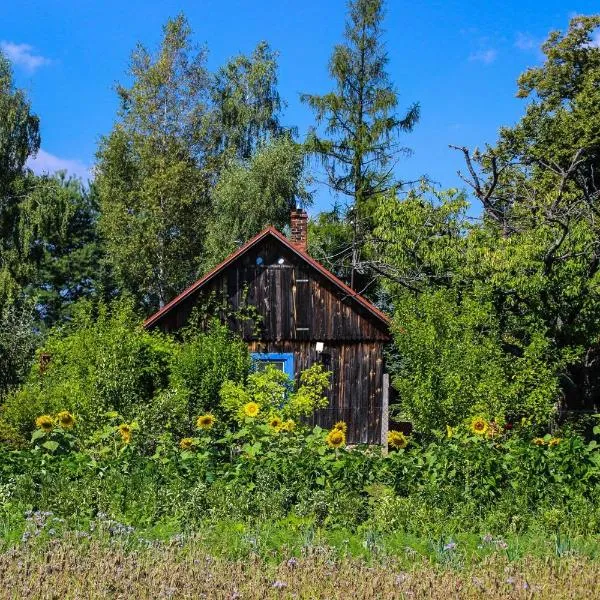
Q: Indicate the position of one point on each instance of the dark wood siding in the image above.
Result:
(355, 392)
(293, 301)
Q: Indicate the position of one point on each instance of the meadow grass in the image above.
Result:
(79, 567)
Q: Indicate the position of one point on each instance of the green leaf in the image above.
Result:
(50, 445)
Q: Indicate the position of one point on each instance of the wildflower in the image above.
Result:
(275, 423)
(186, 443)
(205, 421)
(45, 423)
(336, 438)
(449, 431)
(251, 409)
(292, 563)
(554, 442)
(479, 426)
(396, 439)
(65, 419)
(538, 441)
(279, 585)
(450, 546)
(341, 425)
(488, 538)
(125, 431)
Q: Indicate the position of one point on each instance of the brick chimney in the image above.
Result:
(299, 225)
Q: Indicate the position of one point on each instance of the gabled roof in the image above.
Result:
(269, 231)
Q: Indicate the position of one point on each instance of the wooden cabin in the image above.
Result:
(305, 315)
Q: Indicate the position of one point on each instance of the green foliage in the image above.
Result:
(18, 341)
(454, 363)
(359, 144)
(271, 391)
(102, 361)
(152, 192)
(253, 194)
(201, 364)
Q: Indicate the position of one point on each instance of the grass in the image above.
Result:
(42, 556)
(73, 567)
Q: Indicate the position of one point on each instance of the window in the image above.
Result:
(282, 361)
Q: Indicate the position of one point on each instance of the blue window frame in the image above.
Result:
(284, 361)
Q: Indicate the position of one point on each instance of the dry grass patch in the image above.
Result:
(89, 569)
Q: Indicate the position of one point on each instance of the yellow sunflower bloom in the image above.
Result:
(251, 409)
(397, 439)
(186, 443)
(65, 419)
(341, 425)
(205, 421)
(538, 441)
(554, 442)
(45, 423)
(479, 426)
(336, 438)
(275, 423)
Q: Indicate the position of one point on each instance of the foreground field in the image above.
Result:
(83, 568)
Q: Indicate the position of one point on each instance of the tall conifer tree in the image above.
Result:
(359, 146)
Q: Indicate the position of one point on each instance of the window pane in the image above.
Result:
(261, 365)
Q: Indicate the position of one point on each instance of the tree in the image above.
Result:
(245, 106)
(360, 145)
(501, 314)
(253, 194)
(540, 193)
(152, 189)
(19, 139)
(59, 241)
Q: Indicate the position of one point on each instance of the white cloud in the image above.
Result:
(45, 162)
(487, 57)
(23, 56)
(525, 42)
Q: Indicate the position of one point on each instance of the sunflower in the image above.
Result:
(251, 409)
(479, 426)
(65, 419)
(336, 438)
(205, 421)
(341, 425)
(554, 442)
(275, 423)
(45, 423)
(125, 431)
(186, 443)
(538, 441)
(288, 426)
(397, 439)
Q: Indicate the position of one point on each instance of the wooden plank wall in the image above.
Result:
(294, 302)
(355, 395)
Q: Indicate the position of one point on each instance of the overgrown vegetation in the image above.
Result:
(118, 436)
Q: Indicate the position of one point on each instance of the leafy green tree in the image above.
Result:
(359, 146)
(245, 106)
(19, 139)
(152, 189)
(253, 194)
(539, 189)
(59, 240)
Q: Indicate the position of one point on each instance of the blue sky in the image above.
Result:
(459, 59)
